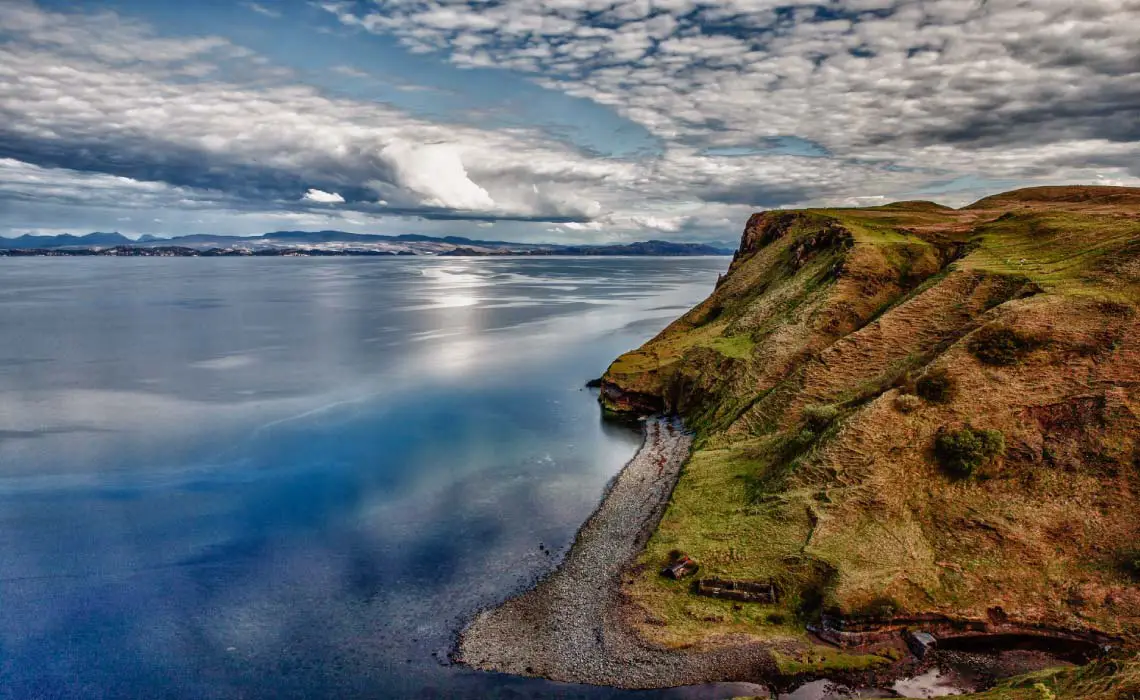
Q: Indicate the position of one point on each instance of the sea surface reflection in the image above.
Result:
(297, 477)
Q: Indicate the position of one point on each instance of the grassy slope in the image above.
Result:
(845, 505)
(1111, 679)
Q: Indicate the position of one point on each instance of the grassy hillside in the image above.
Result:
(1110, 679)
(906, 409)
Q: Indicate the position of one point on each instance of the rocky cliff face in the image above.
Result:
(908, 410)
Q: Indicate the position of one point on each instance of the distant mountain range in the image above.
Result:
(324, 243)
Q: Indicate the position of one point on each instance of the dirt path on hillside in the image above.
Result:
(569, 627)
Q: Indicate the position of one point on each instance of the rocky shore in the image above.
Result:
(570, 627)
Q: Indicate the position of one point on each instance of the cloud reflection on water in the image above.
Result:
(308, 521)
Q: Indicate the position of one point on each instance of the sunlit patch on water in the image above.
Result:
(304, 489)
(456, 300)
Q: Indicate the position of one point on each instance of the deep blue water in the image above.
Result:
(297, 477)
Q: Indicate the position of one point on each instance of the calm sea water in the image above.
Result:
(297, 477)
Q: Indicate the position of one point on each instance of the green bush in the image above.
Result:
(1000, 345)
(904, 382)
(817, 417)
(962, 451)
(936, 386)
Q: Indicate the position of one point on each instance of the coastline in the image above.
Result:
(570, 626)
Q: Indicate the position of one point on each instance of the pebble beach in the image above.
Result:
(569, 627)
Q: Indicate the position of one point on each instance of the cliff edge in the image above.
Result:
(905, 412)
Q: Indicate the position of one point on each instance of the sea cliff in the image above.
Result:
(906, 415)
(905, 418)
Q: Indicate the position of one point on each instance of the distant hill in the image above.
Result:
(332, 243)
(913, 205)
(65, 240)
(1062, 197)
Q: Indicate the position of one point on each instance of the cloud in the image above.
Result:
(263, 10)
(105, 37)
(865, 79)
(322, 197)
(264, 142)
(20, 181)
(436, 172)
(755, 104)
(348, 71)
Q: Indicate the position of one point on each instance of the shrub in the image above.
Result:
(1129, 563)
(1000, 345)
(936, 385)
(962, 451)
(799, 443)
(817, 417)
(905, 403)
(777, 618)
(904, 382)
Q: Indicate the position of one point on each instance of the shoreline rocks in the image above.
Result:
(569, 627)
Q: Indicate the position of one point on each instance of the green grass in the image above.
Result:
(712, 518)
(884, 231)
(888, 224)
(1057, 250)
(1114, 678)
(667, 348)
(737, 346)
(821, 659)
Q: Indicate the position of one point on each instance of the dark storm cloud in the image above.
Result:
(156, 162)
(1111, 117)
(758, 196)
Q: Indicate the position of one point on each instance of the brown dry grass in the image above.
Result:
(843, 308)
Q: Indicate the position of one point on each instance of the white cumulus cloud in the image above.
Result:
(436, 172)
(322, 197)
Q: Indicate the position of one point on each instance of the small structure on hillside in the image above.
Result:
(921, 643)
(744, 591)
(680, 566)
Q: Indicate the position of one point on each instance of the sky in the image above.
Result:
(547, 120)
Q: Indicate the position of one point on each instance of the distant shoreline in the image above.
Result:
(170, 252)
(328, 243)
